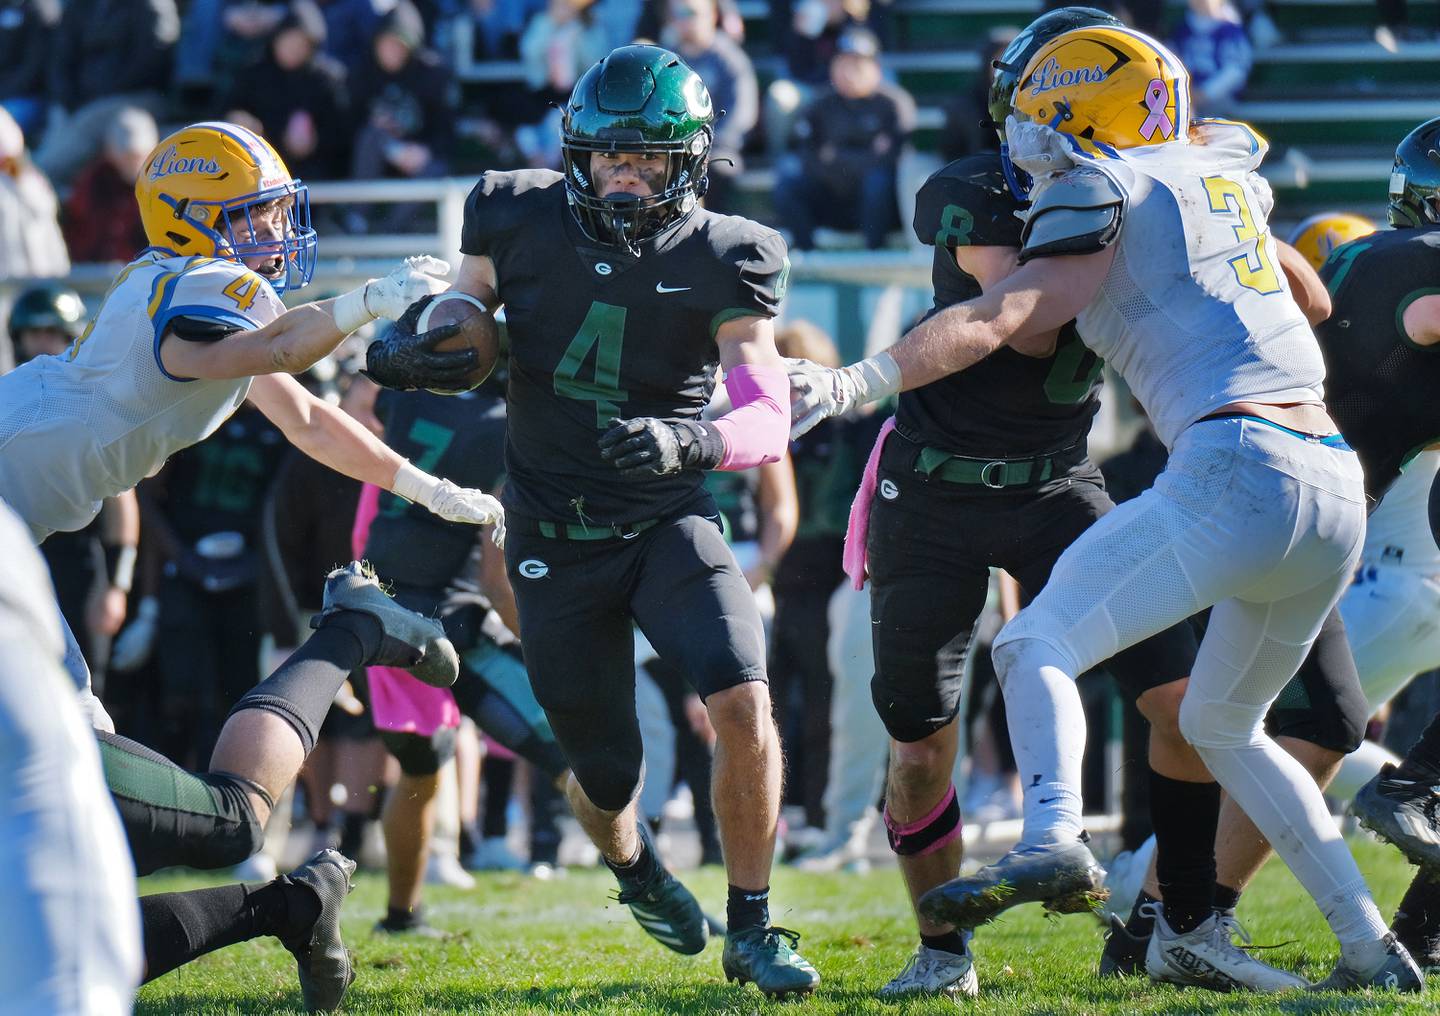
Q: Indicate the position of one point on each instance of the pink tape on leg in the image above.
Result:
(938, 828)
(365, 512)
(757, 428)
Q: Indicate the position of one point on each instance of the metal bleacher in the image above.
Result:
(1331, 100)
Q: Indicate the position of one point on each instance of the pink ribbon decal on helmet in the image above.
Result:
(1158, 120)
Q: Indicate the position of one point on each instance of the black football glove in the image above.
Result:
(650, 447)
(405, 361)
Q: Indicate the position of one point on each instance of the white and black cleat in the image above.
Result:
(933, 972)
(1403, 812)
(1206, 957)
(325, 965)
(1397, 971)
(1064, 877)
(411, 642)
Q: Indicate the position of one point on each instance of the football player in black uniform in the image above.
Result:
(444, 570)
(1381, 344)
(622, 299)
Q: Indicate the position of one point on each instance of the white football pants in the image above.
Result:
(1265, 526)
(70, 935)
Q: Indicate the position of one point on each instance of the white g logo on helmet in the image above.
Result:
(533, 568)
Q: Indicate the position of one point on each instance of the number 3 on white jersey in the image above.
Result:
(1252, 268)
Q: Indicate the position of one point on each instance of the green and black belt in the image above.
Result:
(578, 531)
(993, 473)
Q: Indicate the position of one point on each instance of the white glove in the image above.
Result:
(450, 501)
(818, 392)
(136, 640)
(1036, 148)
(389, 297)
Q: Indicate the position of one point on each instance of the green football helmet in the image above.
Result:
(1415, 180)
(638, 99)
(46, 305)
(1025, 45)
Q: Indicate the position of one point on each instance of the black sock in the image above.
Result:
(1226, 898)
(178, 927)
(352, 831)
(302, 689)
(1422, 762)
(403, 918)
(1141, 925)
(1417, 919)
(747, 908)
(950, 942)
(1186, 816)
(639, 869)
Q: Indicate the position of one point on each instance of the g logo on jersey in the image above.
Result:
(603, 268)
(888, 490)
(533, 568)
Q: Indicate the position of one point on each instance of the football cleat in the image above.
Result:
(411, 642)
(667, 911)
(1206, 957)
(1403, 812)
(1396, 972)
(767, 957)
(325, 967)
(1065, 877)
(415, 929)
(1124, 954)
(933, 972)
(1125, 877)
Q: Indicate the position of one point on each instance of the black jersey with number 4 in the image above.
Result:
(1381, 387)
(596, 335)
(1009, 405)
(458, 437)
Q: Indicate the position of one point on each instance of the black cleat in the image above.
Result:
(1124, 954)
(326, 969)
(1397, 972)
(667, 911)
(1417, 920)
(411, 642)
(767, 957)
(1403, 812)
(1065, 877)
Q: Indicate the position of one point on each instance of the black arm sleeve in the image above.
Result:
(197, 329)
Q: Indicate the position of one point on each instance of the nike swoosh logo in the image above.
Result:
(660, 287)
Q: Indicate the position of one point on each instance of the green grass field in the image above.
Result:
(528, 947)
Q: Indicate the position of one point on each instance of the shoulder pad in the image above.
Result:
(968, 204)
(217, 290)
(1078, 213)
(501, 203)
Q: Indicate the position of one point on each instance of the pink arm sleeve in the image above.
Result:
(365, 513)
(757, 429)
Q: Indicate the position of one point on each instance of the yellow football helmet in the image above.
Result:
(202, 181)
(1318, 235)
(1106, 87)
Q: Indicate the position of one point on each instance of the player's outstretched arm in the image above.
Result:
(301, 336)
(331, 436)
(1041, 296)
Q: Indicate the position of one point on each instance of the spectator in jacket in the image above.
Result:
(846, 146)
(30, 242)
(1212, 44)
(26, 27)
(102, 220)
(109, 54)
(404, 98)
(693, 32)
(303, 108)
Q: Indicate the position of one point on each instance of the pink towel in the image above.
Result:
(398, 701)
(859, 529)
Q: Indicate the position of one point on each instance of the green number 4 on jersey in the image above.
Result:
(603, 330)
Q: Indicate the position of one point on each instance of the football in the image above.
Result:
(478, 331)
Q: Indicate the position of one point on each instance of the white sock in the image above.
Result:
(1047, 734)
(1358, 768)
(1357, 923)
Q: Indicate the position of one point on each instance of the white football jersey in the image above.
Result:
(98, 419)
(1195, 312)
(1398, 532)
